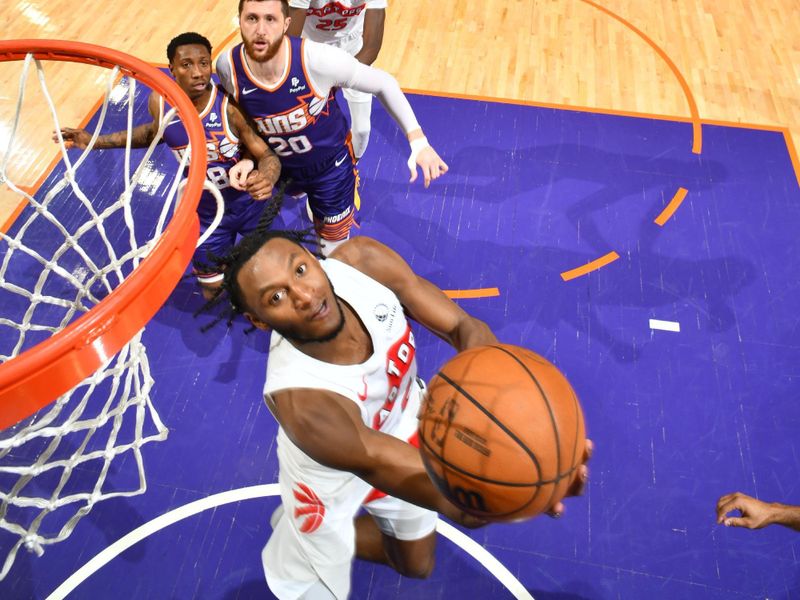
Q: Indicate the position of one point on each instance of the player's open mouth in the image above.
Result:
(321, 312)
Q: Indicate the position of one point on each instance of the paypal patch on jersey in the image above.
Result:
(302, 128)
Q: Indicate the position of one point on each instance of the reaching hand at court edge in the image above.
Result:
(756, 514)
(78, 138)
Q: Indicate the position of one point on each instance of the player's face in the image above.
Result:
(191, 68)
(263, 26)
(285, 289)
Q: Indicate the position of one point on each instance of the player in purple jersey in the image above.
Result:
(287, 85)
(227, 132)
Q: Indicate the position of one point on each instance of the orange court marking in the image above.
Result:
(474, 293)
(670, 208)
(787, 136)
(591, 266)
(697, 133)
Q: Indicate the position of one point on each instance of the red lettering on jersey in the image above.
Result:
(335, 7)
(363, 396)
(398, 360)
(311, 508)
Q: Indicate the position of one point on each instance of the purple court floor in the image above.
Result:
(678, 418)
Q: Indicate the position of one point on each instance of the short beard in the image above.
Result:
(272, 50)
(298, 339)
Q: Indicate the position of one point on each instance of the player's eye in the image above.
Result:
(301, 269)
(276, 297)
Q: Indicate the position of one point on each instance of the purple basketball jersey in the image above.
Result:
(302, 127)
(222, 146)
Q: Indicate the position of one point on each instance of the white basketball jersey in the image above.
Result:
(329, 21)
(316, 539)
(381, 385)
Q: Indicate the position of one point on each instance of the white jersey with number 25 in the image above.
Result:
(331, 21)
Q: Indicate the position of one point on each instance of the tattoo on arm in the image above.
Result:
(141, 137)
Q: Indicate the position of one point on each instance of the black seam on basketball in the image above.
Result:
(547, 403)
(508, 432)
(472, 475)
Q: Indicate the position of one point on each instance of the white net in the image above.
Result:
(63, 255)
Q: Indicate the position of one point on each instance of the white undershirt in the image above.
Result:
(328, 67)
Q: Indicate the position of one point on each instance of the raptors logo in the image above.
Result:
(311, 509)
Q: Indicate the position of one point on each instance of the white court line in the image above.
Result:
(102, 558)
(665, 325)
(484, 557)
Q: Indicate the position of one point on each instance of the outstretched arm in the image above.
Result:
(328, 428)
(756, 514)
(373, 35)
(331, 67)
(258, 183)
(428, 305)
(423, 301)
(141, 135)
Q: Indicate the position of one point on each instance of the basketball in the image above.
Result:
(501, 432)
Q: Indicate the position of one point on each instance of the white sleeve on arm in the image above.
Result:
(373, 4)
(299, 3)
(224, 72)
(328, 67)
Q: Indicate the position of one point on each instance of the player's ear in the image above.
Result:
(256, 322)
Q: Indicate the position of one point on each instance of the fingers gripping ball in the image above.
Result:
(501, 433)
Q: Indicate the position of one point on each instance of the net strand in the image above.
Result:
(57, 465)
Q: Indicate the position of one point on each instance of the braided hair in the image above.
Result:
(243, 251)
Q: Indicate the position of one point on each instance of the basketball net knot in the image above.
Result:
(32, 544)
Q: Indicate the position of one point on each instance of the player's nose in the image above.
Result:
(302, 297)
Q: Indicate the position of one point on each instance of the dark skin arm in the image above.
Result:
(328, 428)
(373, 35)
(141, 135)
(423, 301)
(298, 17)
(259, 183)
(756, 514)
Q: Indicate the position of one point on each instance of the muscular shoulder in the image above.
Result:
(375, 260)
(359, 252)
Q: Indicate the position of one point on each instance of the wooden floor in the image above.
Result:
(734, 61)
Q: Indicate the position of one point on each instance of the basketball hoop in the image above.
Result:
(104, 343)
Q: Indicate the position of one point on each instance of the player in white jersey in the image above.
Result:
(355, 26)
(341, 382)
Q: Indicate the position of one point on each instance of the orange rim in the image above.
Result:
(41, 374)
